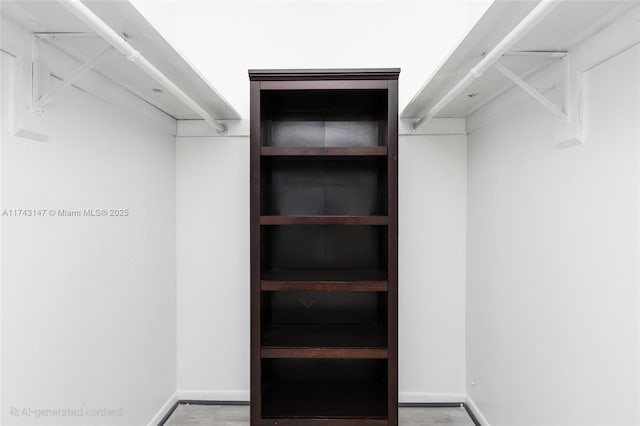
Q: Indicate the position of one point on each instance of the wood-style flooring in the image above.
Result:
(238, 415)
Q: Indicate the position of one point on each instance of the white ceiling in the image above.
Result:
(224, 39)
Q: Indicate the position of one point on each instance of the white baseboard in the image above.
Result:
(163, 410)
(210, 395)
(476, 412)
(423, 397)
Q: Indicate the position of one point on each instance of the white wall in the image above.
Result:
(161, 14)
(431, 270)
(88, 303)
(213, 267)
(552, 292)
(212, 187)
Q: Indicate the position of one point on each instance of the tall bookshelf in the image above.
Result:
(324, 249)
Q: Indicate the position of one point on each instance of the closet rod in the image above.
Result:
(83, 13)
(516, 34)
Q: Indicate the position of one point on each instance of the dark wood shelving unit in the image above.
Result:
(324, 229)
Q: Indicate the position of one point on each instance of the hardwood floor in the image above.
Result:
(238, 415)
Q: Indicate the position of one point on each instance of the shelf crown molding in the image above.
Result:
(325, 74)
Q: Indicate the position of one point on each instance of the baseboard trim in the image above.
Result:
(430, 404)
(209, 395)
(474, 412)
(165, 411)
(420, 397)
(201, 402)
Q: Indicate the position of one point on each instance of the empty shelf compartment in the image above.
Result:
(310, 118)
(325, 185)
(339, 252)
(324, 388)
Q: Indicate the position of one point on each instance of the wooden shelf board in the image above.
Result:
(326, 151)
(269, 285)
(324, 220)
(347, 353)
(324, 280)
(325, 337)
(323, 276)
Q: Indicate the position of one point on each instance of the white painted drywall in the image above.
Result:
(212, 194)
(431, 268)
(552, 291)
(213, 267)
(88, 303)
(160, 14)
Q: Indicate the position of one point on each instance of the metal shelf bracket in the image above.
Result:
(557, 111)
(40, 100)
(568, 130)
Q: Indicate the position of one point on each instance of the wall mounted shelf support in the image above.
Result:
(532, 90)
(569, 130)
(40, 101)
